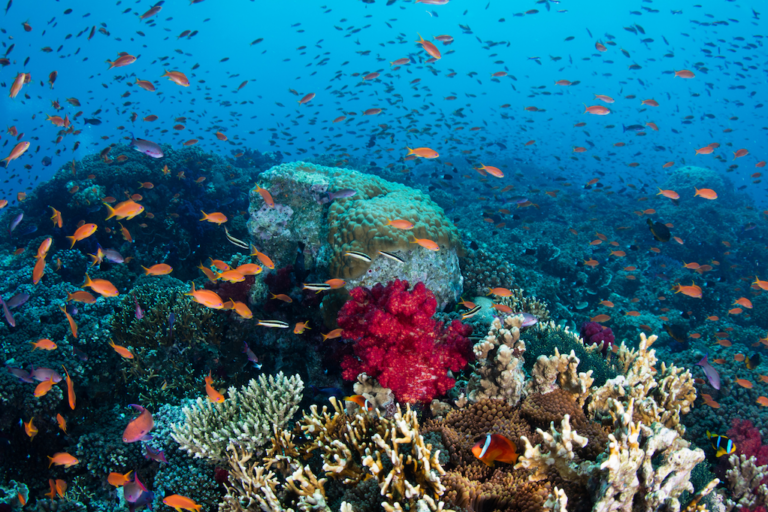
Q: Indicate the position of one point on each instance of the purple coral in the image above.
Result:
(594, 333)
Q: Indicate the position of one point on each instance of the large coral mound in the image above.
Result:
(400, 344)
(305, 217)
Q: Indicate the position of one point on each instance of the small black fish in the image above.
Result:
(659, 231)
(94, 122)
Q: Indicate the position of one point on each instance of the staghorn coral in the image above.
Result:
(388, 451)
(377, 395)
(499, 368)
(659, 397)
(246, 418)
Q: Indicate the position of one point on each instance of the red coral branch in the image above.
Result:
(399, 343)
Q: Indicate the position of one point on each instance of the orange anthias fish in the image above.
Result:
(692, 291)
(400, 224)
(124, 352)
(161, 269)
(430, 48)
(119, 480)
(30, 429)
(216, 217)
(206, 297)
(70, 393)
(82, 233)
(100, 286)
(336, 333)
(495, 448)
(125, 210)
(62, 422)
(264, 193)
(241, 309)
(213, 395)
(301, 327)
(43, 344)
(423, 152)
(72, 324)
(263, 258)
(62, 459)
(138, 429)
(335, 284)
(426, 243)
(44, 387)
(493, 171)
(706, 193)
(38, 271)
(181, 502)
(177, 77)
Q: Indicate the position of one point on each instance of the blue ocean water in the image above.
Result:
(602, 157)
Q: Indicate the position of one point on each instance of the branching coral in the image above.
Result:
(499, 367)
(646, 468)
(659, 396)
(390, 451)
(246, 418)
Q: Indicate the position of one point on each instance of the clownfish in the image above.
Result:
(495, 448)
(721, 444)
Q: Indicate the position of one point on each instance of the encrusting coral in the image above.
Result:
(246, 418)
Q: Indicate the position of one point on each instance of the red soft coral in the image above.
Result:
(748, 441)
(400, 344)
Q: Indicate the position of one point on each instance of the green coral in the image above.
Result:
(542, 340)
(163, 368)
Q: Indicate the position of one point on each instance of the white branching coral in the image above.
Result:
(499, 370)
(246, 418)
(658, 396)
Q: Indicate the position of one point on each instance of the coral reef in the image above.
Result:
(398, 342)
(246, 418)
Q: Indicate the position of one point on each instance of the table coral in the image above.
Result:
(398, 342)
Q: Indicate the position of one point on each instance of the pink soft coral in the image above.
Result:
(400, 344)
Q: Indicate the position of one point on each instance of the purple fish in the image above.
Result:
(79, 354)
(712, 376)
(251, 356)
(155, 454)
(139, 311)
(15, 222)
(528, 319)
(18, 300)
(7, 312)
(113, 256)
(147, 147)
(516, 200)
(133, 490)
(144, 500)
(21, 374)
(43, 374)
